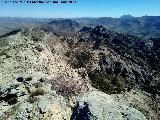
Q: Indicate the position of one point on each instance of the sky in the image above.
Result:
(82, 8)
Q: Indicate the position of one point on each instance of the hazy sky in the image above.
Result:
(83, 8)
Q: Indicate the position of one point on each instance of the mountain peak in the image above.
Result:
(65, 22)
(126, 16)
(86, 29)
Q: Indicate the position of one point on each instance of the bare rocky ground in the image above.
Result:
(46, 77)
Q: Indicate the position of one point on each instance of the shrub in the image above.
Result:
(10, 98)
(81, 59)
(37, 92)
(4, 53)
(28, 79)
(42, 80)
(13, 100)
(67, 87)
(34, 39)
(39, 48)
(20, 79)
(107, 84)
(38, 84)
(52, 49)
(32, 98)
(68, 53)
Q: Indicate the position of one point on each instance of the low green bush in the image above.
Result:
(37, 92)
(32, 98)
(107, 84)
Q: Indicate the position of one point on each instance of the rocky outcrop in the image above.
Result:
(43, 102)
(101, 106)
(27, 101)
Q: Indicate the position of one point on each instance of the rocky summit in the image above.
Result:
(68, 72)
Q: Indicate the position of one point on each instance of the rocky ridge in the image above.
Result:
(44, 76)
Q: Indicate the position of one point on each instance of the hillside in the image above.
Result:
(8, 24)
(62, 27)
(146, 26)
(64, 71)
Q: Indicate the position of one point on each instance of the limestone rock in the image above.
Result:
(103, 107)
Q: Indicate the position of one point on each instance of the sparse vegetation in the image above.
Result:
(81, 59)
(107, 84)
(33, 95)
(41, 80)
(38, 85)
(3, 42)
(32, 99)
(28, 78)
(68, 53)
(20, 79)
(13, 100)
(39, 48)
(52, 49)
(4, 53)
(37, 92)
(10, 112)
(10, 98)
(11, 33)
(35, 39)
(67, 87)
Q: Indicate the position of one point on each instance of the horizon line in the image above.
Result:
(76, 17)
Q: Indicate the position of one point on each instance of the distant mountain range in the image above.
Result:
(63, 27)
(146, 26)
(126, 17)
(8, 24)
